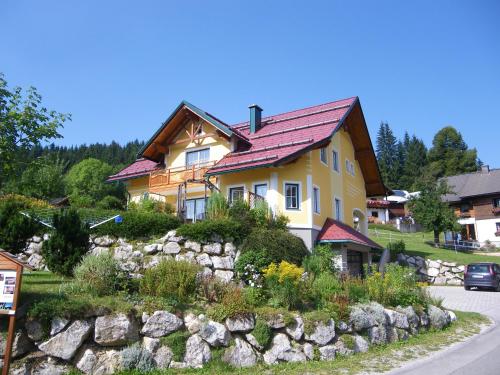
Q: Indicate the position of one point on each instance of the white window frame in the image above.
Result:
(323, 151)
(349, 165)
(196, 149)
(229, 198)
(338, 170)
(316, 203)
(339, 217)
(299, 196)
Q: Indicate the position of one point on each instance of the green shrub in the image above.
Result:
(217, 207)
(254, 297)
(269, 313)
(136, 357)
(325, 287)
(174, 280)
(177, 343)
(204, 231)
(233, 303)
(211, 289)
(151, 205)
(320, 261)
(110, 202)
(98, 275)
(258, 259)
(15, 228)
(277, 245)
(68, 243)
(262, 332)
(312, 317)
(137, 224)
(395, 248)
(356, 290)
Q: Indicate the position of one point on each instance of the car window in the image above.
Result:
(478, 268)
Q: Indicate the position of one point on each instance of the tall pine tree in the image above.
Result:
(387, 155)
(415, 162)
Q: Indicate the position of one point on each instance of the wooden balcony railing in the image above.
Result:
(255, 199)
(174, 176)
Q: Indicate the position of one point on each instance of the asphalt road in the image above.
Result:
(479, 355)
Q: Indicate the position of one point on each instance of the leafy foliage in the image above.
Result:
(151, 205)
(233, 303)
(396, 248)
(68, 244)
(44, 179)
(177, 343)
(320, 261)
(15, 229)
(173, 280)
(136, 357)
(262, 332)
(217, 207)
(204, 231)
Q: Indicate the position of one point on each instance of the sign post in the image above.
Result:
(11, 273)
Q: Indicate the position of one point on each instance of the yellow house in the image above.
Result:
(315, 165)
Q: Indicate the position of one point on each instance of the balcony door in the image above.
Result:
(195, 209)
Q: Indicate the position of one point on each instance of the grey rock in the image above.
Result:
(440, 280)
(193, 323)
(105, 241)
(327, 353)
(204, 260)
(397, 319)
(241, 323)
(178, 365)
(171, 248)
(402, 334)
(215, 334)
(225, 263)
(412, 316)
(212, 248)
(49, 367)
(187, 257)
(94, 361)
(150, 344)
(21, 344)
(163, 357)
(34, 329)
(280, 344)
(360, 344)
(197, 352)
(308, 351)
(424, 320)
(343, 327)
(36, 261)
(123, 252)
(161, 323)
(377, 335)
(450, 316)
(275, 321)
(360, 319)
(36, 239)
(195, 246)
(206, 272)
(293, 355)
(230, 249)
(116, 330)
(224, 276)
(152, 249)
(296, 330)
(241, 354)
(437, 317)
(432, 272)
(99, 250)
(322, 334)
(433, 263)
(19, 369)
(65, 344)
(144, 317)
(253, 341)
(34, 248)
(173, 237)
(341, 348)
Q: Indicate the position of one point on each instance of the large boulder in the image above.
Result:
(253, 341)
(94, 361)
(197, 352)
(215, 334)
(150, 344)
(191, 245)
(230, 249)
(296, 329)
(397, 319)
(49, 367)
(116, 330)
(212, 248)
(171, 248)
(241, 354)
(224, 276)
(377, 335)
(360, 345)
(241, 323)
(161, 323)
(204, 260)
(413, 318)
(193, 323)
(57, 325)
(65, 344)
(280, 344)
(360, 319)
(327, 353)
(322, 334)
(21, 344)
(152, 248)
(163, 357)
(437, 317)
(224, 263)
(36, 261)
(34, 329)
(105, 241)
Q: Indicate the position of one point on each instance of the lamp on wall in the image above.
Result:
(356, 223)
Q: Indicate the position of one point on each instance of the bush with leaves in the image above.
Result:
(99, 275)
(135, 357)
(15, 228)
(320, 261)
(233, 303)
(173, 280)
(206, 230)
(217, 207)
(151, 205)
(110, 202)
(136, 224)
(68, 243)
(396, 248)
(277, 245)
(283, 284)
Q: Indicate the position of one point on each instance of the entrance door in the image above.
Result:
(355, 263)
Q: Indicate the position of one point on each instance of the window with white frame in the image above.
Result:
(292, 196)
(195, 209)
(316, 204)
(197, 157)
(338, 209)
(335, 161)
(349, 167)
(236, 193)
(322, 155)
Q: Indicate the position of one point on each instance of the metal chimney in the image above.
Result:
(255, 117)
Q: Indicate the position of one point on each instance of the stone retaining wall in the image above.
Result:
(434, 271)
(102, 343)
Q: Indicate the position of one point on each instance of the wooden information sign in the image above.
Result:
(11, 272)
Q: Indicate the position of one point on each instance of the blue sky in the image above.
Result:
(121, 67)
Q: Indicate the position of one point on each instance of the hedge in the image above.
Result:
(206, 230)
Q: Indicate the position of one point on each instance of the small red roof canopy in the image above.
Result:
(336, 231)
(138, 168)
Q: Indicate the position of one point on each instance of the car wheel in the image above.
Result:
(466, 287)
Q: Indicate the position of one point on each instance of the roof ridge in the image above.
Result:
(267, 118)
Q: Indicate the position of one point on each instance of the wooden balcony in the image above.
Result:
(172, 177)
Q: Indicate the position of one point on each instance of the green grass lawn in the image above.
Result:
(377, 359)
(415, 244)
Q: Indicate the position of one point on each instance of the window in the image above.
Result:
(236, 193)
(338, 209)
(465, 207)
(349, 166)
(316, 206)
(261, 189)
(498, 227)
(374, 213)
(322, 155)
(496, 202)
(292, 196)
(197, 157)
(335, 161)
(195, 209)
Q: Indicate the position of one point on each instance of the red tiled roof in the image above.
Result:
(370, 203)
(336, 231)
(283, 137)
(138, 168)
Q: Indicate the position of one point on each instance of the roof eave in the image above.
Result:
(350, 241)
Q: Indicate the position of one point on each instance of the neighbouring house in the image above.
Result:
(476, 201)
(311, 164)
(384, 209)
